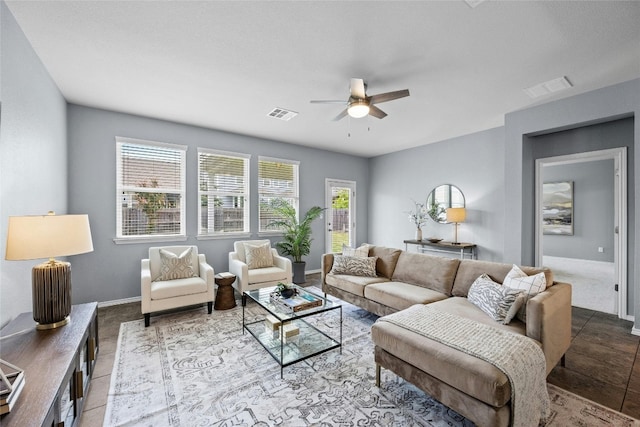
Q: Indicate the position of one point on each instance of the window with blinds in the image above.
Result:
(223, 180)
(277, 178)
(150, 189)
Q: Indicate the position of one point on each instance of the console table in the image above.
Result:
(463, 249)
(57, 363)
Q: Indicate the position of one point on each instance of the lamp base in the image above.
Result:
(46, 326)
(51, 294)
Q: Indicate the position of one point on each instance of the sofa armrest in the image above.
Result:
(281, 262)
(327, 264)
(549, 321)
(240, 270)
(145, 285)
(206, 272)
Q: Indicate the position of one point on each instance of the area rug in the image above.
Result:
(193, 369)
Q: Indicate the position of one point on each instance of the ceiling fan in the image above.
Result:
(360, 104)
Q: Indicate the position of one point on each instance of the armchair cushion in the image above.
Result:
(174, 266)
(258, 256)
(177, 288)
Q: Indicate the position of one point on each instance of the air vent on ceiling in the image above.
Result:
(282, 114)
(555, 85)
(474, 3)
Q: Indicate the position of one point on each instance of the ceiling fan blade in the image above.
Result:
(388, 96)
(357, 88)
(340, 116)
(376, 112)
(329, 101)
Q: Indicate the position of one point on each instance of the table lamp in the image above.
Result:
(49, 236)
(456, 216)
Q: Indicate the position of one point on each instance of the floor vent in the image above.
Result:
(282, 114)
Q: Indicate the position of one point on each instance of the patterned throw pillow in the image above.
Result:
(174, 266)
(531, 285)
(359, 252)
(354, 266)
(258, 256)
(499, 302)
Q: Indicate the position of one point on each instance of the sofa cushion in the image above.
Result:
(174, 266)
(352, 284)
(258, 256)
(356, 266)
(399, 295)
(361, 251)
(387, 259)
(428, 271)
(530, 285)
(177, 287)
(267, 274)
(469, 270)
(498, 301)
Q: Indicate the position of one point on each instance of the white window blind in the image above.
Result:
(150, 189)
(223, 192)
(277, 178)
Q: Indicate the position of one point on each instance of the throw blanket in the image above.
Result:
(519, 357)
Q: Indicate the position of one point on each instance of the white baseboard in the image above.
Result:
(635, 331)
(313, 271)
(119, 301)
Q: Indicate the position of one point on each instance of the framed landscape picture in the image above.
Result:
(557, 208)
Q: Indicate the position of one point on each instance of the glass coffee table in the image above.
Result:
(287, 336)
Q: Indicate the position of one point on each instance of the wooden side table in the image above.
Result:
(224, 296)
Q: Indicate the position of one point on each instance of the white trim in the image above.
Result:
(223, 236)
(619, 156)
(148, 239)
(313, 271)
(223, 153)
(329, 183)
(119, 302)
(635, 331)
(125, 140)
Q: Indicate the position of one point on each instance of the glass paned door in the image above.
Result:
(340, 218)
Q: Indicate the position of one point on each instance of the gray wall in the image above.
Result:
(112, 272)
(33, 153)
(474, 163)
(593, 211)
(602, 105)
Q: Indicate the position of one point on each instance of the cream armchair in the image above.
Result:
(271, 269)
(172, 277)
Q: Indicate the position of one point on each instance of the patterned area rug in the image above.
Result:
(194, 369)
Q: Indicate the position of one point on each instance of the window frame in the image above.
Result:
(295, 195)
(120, 189)
(247, 195)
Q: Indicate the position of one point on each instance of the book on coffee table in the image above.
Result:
(300, 301)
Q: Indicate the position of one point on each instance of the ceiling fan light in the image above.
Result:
(358, 109)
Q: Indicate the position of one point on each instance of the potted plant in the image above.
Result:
(296, 239)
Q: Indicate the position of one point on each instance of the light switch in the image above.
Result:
(600, 249)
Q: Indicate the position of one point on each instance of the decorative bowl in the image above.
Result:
(287, 293)
(434, 239)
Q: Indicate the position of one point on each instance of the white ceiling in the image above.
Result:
(227, 64)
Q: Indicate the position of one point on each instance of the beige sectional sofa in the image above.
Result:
(470, 386)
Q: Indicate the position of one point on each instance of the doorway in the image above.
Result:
(340, 223)
(597, 280)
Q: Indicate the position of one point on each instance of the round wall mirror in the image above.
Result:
(442, 197)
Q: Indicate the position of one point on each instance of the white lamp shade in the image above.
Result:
(456, 214)
(47, 236)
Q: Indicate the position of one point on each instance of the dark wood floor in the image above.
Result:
(603, 363)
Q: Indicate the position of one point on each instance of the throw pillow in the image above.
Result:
(174, 266)
(354, 266)
(531, 285)
(499, 302)
(258, 256)
(359, 252)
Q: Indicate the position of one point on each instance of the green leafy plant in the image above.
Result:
(150, 203)
(297, 239)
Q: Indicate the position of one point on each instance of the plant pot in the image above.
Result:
(298, 272)
(287, 293)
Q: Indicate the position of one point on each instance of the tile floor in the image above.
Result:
(603, 363)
